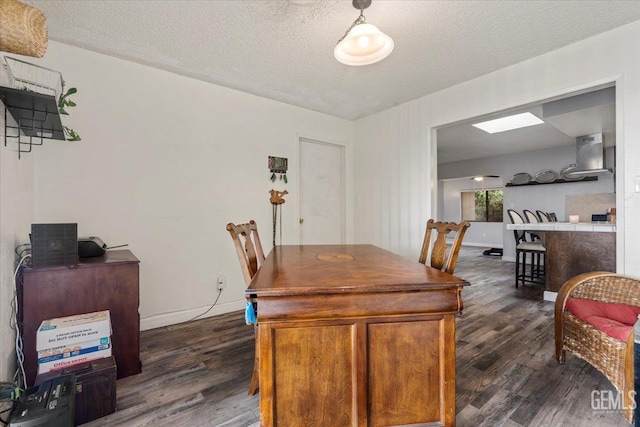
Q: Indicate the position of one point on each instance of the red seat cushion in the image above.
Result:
(615, 320)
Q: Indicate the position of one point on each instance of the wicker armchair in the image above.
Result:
(611, 356)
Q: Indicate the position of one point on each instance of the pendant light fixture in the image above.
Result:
(363, 43)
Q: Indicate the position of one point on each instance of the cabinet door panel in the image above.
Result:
(405, 372)
(314, 376)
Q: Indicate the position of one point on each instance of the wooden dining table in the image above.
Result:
(354, 335)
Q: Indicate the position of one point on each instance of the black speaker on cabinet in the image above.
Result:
(54, 245)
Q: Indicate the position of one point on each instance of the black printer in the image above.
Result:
(50, 404)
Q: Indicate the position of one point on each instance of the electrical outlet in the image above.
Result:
(222, 281)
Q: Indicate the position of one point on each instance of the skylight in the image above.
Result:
(503, 124)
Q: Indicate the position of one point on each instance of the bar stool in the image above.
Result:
(535, 237)
(532, 219)
(523, 248)
(542, 216)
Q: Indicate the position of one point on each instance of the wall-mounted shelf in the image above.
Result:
(35, 114)
(30, 93)
(557, 181)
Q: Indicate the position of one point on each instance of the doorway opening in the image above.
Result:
(464, 152)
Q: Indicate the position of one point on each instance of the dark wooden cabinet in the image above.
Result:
(109, 282)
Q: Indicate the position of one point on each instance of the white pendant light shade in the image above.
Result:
(365, 44)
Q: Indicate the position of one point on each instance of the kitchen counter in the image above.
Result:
(600, 227)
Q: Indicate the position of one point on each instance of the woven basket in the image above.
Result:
(603, 352)
(23, 29)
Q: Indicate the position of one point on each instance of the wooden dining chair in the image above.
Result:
(251, 256)
(440, 259)
(249, 250)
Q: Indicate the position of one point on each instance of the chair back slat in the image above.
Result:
(439, 258)
(248, 248)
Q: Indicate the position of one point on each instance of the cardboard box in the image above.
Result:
(55, 365)
(65, 351)
(66, 331)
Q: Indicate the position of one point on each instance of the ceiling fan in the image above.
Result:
(481, 177)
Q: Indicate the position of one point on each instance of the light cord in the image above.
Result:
(359, 20)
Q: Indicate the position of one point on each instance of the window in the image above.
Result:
(482, 205)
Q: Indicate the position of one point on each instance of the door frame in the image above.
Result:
(620, 179)
(344, 156)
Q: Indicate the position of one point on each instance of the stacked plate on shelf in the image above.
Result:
(546, 176)
(521, 178)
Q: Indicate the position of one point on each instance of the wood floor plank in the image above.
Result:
(498, 409)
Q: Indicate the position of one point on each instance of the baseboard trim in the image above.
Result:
(476, 245)
(509, 258)
(173, 318)
(550, 296)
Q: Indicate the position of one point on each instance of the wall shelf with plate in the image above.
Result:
(557, 181)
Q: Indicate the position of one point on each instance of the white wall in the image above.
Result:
(164, 164)
(404, 135)
(393, 188)
(16, 216)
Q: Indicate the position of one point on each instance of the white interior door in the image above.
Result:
(322, 193)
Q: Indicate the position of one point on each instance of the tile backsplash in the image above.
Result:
(586, 205)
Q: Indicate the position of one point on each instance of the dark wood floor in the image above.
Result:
(197, 373)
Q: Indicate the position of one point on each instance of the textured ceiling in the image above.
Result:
(283, 49)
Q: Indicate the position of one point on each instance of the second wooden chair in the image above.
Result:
(439, 258)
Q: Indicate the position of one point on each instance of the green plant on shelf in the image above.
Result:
(71, 134)
(63, 102)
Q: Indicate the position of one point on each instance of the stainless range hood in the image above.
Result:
(590, 156)
(589, 118)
